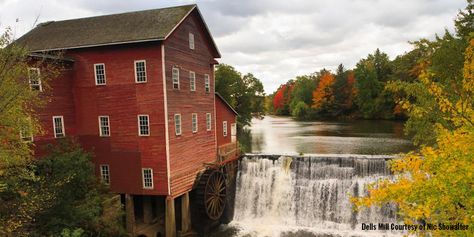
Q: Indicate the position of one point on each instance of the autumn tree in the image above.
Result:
(435, 185)
(323, 95)
(279, 100)
(344, 91)
(29, 190)
(20, 200)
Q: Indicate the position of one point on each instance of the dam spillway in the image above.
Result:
(280, 195)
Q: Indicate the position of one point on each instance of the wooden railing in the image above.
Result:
(227, 152)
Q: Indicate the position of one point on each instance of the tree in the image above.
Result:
(35, 193)
(19, 198)
(300, 111)
(279, 100)
(371, 75)
(79, 201)
(465, 21)
(435, 186)
(443, 57)
(323, 95)
(302, 91)
(344, 91)
(244, 93)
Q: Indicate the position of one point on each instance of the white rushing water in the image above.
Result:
(307, 196)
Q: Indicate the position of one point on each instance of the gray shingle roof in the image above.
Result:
(127, 27)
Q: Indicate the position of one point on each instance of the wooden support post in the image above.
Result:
(130, 214)
(170, 219)
(185, 214)
(147, 210)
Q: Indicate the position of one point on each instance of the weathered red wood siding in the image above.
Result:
(223, 113)
(122, 100)
(60, 102)
(189, 151)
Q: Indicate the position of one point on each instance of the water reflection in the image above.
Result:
(283, 135)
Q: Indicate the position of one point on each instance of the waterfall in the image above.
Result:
(281, 196)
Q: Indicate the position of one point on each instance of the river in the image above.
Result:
(283, 135)
(300, 175)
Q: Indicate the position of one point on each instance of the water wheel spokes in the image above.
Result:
(213, 187)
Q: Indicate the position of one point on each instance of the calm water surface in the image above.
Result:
(281, 135)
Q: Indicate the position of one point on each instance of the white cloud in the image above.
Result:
(277, 40)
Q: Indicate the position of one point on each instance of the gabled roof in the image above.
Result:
(226, 103)
(130, 27)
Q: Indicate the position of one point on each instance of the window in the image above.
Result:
(177, 124)
(99, 71)
(191, 40)
(194, 122)
(34, 78)
(224, 128)
(140, 71)
(105, 173)
(147, 174)
(143, 125)
(207, 83)
(58, 126)
(104, 127)
(26, 132)
(233, 132)
(208, 121)
(175, 76)
(192, 81)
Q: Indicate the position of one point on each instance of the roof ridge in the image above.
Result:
(114, 14)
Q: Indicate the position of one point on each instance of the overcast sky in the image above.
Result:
(275, 40)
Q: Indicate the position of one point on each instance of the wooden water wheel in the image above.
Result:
(212, 192)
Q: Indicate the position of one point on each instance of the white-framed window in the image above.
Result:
(207, 83)
(143, 125)
(140, 71)
(208, 122)
(26, 132)
(192, 81)
(194, 122)
(104, 126)
(177, 124)
(58, 126)
(147, 174)
(175, 76)
(99, 72)
(224, 128)
(233, 132)
(191, 40)
(105, 174)
(34, 77)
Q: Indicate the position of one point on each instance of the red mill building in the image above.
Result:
(138, 91)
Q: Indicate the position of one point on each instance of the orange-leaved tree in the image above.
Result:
(323, 94)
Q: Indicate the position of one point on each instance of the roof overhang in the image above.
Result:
(98, 45)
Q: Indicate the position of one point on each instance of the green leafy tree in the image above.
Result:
(20, 201)
(371, 75)
(244, 93)
(302, 91)
(80, 201)
(301, 111)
